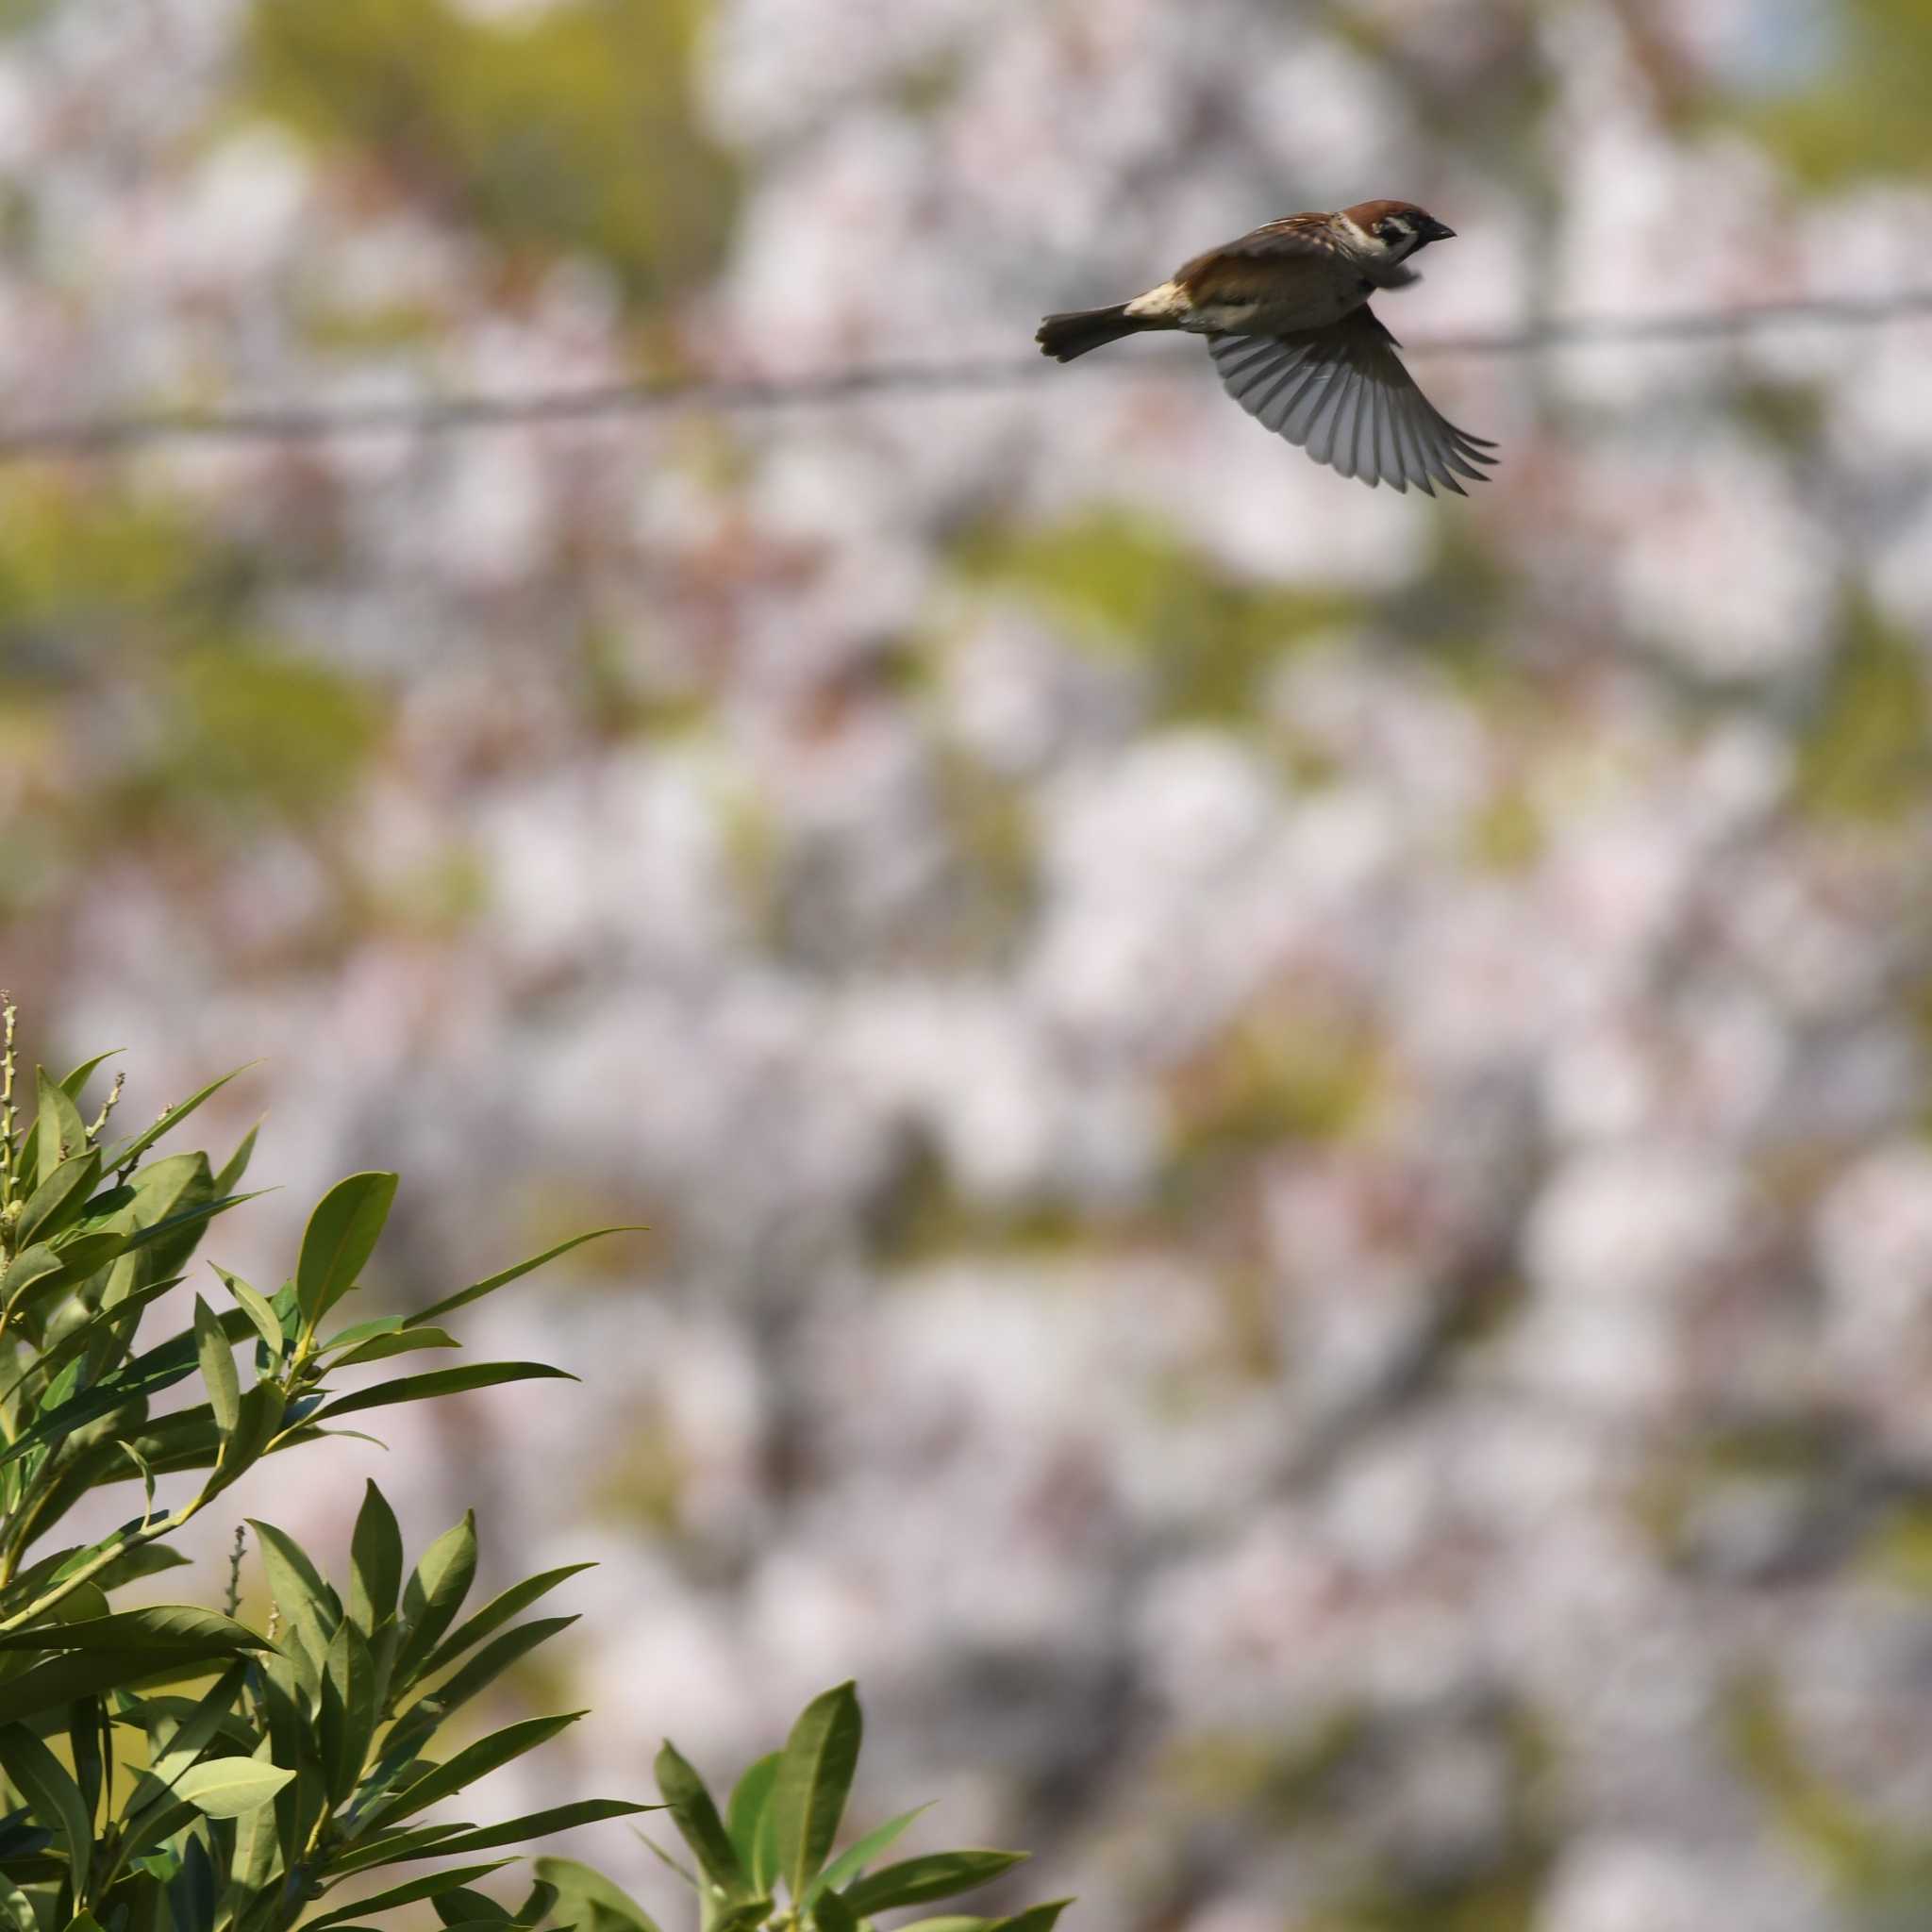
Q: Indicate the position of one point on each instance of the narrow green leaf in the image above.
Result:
(747, 1806)
(407, 1894)
(255, 1306)
(348, 1709)
(439, 1382)
(132, 1150)
(1034, 1919)
(166, 1629)
(57, 1203)
(951, 1922)
(696, 1818)
(535, 1906)
(229, 1787)
(434, 1594)
(484, 1668)
(814, 1777)
(465, 1907)
(539, 1824)
(342, 1234)
(497, 1612)
(477, 1760)
(404, 1341)
(307, 1605)
(62, 1132)
(855, 1858)
(49, 1793)
(392, 1847)
(477, 1290)
(591, 1900)
(237, 1164)
(376, 1564)
(198, 1729)
(217, 1368)
(16, 1909)
(932, 1876)
(51, 1686)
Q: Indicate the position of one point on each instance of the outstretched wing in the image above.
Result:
(1342, 394)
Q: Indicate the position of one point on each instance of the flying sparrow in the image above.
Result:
(1285, 313)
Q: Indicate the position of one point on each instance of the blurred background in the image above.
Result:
(1285, 1129)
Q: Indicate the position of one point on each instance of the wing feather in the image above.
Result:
(1342, 394)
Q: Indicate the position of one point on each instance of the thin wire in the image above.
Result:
(107, 435)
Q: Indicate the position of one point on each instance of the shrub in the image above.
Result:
(175, 1770)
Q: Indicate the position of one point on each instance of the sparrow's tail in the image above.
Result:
(1063, 337)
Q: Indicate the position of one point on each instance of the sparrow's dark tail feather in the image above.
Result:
(1063, 337)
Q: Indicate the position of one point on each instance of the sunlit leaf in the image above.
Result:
(814, 1777)
(341, 1236)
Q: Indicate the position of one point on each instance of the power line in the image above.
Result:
(108, 434)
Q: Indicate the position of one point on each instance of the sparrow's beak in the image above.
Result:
(1433, 231)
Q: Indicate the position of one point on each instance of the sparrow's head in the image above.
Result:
(1395, 229)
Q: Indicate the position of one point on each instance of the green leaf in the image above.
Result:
(341, 1236)
(30, 1265)
(49, 1793)
(231, 1786)
(57, 1203)
(407, 1893)
(697, 1821)
(591, 1900)
(167, 1628)
(496, 1612)
(217, 1368)
(255, 1306)
(55, 1683)
(237, 1164)
(392, 1847)
(466, 1907)
(130, 1151)
(484, 1668)
(434, 1594)
(538, 1824)
(1034, 1919)
(380, 1347)
(855, 1858)
(62, 1132)
(934, 1875)
(307, 1605)
(198, 1729)
(348, 1709)
(832, 1914)
(745, 1917)
(749, 1797)
(480, 1759)
(814, 1777)
(477, 1290)
(376, 1564)
(437, 1382)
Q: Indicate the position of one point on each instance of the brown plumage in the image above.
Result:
(1285, 309)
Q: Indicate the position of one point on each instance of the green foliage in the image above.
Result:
(569, 131)
(774, 1841)
(173, 1770)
